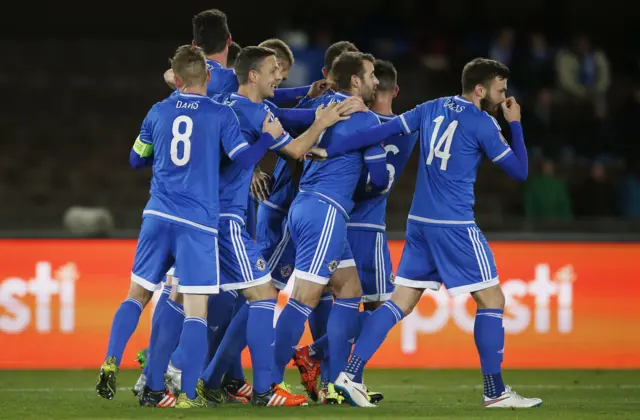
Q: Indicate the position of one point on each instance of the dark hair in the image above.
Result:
(210, 31)
(283, 52)
(387, 75)
(250, 58)
(482, 71)
(234, 50)
(189, 64)
(349, 64)
(335, 50)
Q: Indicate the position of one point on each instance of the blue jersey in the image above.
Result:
(454, 137)
(222, 80)
(235, 182)
(335, 179)
(370, 208)
(283, 191)
(184, 133)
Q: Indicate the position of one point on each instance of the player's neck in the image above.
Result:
(472, 98)
(349, 92)
(251, 93)
(197, 90)
(220, 57)
(382, 106)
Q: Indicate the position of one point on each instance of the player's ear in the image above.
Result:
(324, 72)
(229, 40)
(479, 90)
(193, 42)
(208, 75)
(395, 91)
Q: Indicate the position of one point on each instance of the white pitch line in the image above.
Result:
(407, 386)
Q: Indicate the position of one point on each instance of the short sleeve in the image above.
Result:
(491, 140)
(411, 120)
(233, 142)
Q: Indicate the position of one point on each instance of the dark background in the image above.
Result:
(78, 79)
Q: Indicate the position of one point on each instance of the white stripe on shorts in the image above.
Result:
(282, 245)
(483, 253)
(323, 243)
(240, 251)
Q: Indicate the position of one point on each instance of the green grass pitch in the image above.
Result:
(432, 394)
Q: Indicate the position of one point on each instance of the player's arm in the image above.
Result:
(407, 123)
(375, 158)
(141, 154)
(297, 119)
(239, 150)
(512, 159)
(288, 95)
(324, 118)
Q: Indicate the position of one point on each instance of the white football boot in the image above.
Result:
(356, 394)
(509, 399)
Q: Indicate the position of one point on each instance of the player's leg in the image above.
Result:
(319, 232)
(152, 260)
(417, 272)
(198, 267)
(466, 264)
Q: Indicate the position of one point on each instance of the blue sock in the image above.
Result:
(162, 300)
(193, 346)
(124, 324)
(362, 319)
(235, 370)
(169, 328)
(320, 316)
(373, 333)
(233, 342)
(260, 336)
(342, 327)
(219, 313)
(319, 348)
(489, 337)
(289, 329)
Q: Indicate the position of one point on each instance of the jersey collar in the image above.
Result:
(214, 64)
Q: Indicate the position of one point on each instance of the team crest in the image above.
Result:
(392, 278)
(286, 270)
(333, 266)
(261, 264)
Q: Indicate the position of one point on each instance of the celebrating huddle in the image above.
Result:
(320, 224)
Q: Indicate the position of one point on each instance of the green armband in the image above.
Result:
(142, 149)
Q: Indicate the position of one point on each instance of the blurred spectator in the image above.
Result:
(629, 192)
(537, 67)
(627, 124)
(502, 47)
(543, 126)
(596, 196)
(546, 197)
(583, 72)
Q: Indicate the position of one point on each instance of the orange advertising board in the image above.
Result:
(569, 305)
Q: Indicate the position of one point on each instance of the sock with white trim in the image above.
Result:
(375, 330)
(193, 348)
(260, 337)
(341, 330)
(167, 334)
(124, 324)
(289, 330)
(488, 334)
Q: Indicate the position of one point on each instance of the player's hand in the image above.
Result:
(272, 127)
(330, 115)
(316, 154)
(352, 105)
(261, 185)
(511, 109)
(318, 88)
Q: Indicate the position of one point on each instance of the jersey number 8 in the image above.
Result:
(441, 149)
(181, 137)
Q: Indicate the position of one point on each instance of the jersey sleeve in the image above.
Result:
(375, 154)
(282, 140)
(233, 141)
(411, 120)
(143, 146)
(491, 140)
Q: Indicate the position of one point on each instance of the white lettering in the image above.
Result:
(186, 105)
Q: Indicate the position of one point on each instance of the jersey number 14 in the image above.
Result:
(181, 137)
(443, 145)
